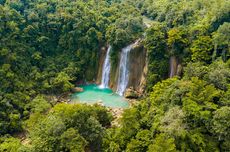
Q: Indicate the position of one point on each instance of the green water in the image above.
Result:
(93, 94)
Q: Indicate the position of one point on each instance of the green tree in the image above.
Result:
(221, 124)
(38, 104)
(162, 143)
(10, 144)
(221, 38)
(72, 141)
(177, 40)
(62, 83)
(141, 142)
(202, 49)
(155, 43)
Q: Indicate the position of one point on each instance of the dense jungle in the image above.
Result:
(166, 61)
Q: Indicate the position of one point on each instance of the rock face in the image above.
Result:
(138, 68)
(131, 93)
(114, 73)
(175, 67)
(100, 66)
(142, 86)
(179, 70)
(173, 62)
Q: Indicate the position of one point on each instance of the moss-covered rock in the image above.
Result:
(131, 93)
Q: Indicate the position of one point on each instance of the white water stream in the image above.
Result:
(106, 70)
(123, 78)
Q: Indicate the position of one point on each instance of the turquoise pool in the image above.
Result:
(93, 94)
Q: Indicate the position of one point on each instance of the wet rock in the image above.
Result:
(77, 89)
(117, 115)
(173, 63)
(131, 93)
(179, 70)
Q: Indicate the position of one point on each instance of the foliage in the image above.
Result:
(187, 30)
(179, 114)
(124, 31)
(68, 128)
(201, 49)
(162, 144)
(47, 46)
(155, 42)
(9, 144)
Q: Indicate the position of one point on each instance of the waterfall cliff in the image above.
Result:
(173, 66)
(106, 70)
(129, 70)
(123, 78)
(132, 68)
(138, 68)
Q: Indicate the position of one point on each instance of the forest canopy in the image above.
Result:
(47, 46)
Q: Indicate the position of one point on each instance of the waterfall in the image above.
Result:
(173, 66)
(106, 70)
(123, 78)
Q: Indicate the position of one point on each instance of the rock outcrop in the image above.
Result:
(77, 89)
(131, 93)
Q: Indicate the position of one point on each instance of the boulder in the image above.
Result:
(77, 89)
(100, 103)
(131, 93)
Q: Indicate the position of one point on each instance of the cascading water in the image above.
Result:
(123, 78)
(173, 66)
(106, 70)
